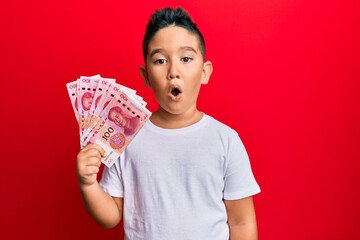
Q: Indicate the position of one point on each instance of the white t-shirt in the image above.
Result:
(174, 181)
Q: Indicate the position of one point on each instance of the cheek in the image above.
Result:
(193, 72)
(157, 73)
(156, 81)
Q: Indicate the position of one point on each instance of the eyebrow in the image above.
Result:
(155, 51)
(159, 50)
(189, 49)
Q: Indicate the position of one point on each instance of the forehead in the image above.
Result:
(173, 38)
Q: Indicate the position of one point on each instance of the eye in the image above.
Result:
(186, 59)
(160, 61)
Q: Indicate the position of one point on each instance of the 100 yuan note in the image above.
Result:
(72, 91)
(101, 91)
(121, 120)
(95, 124)
(86, 87)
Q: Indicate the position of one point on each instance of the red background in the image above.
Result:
(286, 77)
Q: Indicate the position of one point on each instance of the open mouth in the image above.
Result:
(175, 92)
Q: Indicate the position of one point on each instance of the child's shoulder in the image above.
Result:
(220, 127)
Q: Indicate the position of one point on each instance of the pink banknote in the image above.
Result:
(100, 104)
(121, 120)
(108, 113)
(95, 123)
(86, 88)
(72, 91)
(101, 90)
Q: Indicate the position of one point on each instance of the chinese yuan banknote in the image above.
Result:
(108, 114)
(94, 124)
(72, 91)
(91, 119)
(86, 88)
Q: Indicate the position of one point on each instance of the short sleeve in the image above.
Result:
(239, 179)
(111, 181)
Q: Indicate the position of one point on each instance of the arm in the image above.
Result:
(241, 219)
(106, 210)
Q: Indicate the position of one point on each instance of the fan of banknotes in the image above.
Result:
(108, 114)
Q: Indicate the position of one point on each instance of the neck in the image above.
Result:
(164, 119)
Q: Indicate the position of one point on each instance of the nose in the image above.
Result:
(173, 71)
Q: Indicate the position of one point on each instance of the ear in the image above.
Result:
(207, 70)
(144, 76)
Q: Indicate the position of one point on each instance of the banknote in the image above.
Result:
(96, 123)
(121, 120)
(72, 91)
(101, 90)
(100, 104)
(108, 113)
(86, 88)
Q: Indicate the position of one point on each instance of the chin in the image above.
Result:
(175, 110)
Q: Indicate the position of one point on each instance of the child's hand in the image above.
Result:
(88, 162)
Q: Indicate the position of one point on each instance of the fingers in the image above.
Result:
(90, 151)
(91, 170)
(94, 146)
(91, 155)
(89, 162)
(93, 161)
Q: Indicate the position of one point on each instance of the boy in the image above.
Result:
(185, 175)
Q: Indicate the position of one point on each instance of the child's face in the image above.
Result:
(175, 69)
